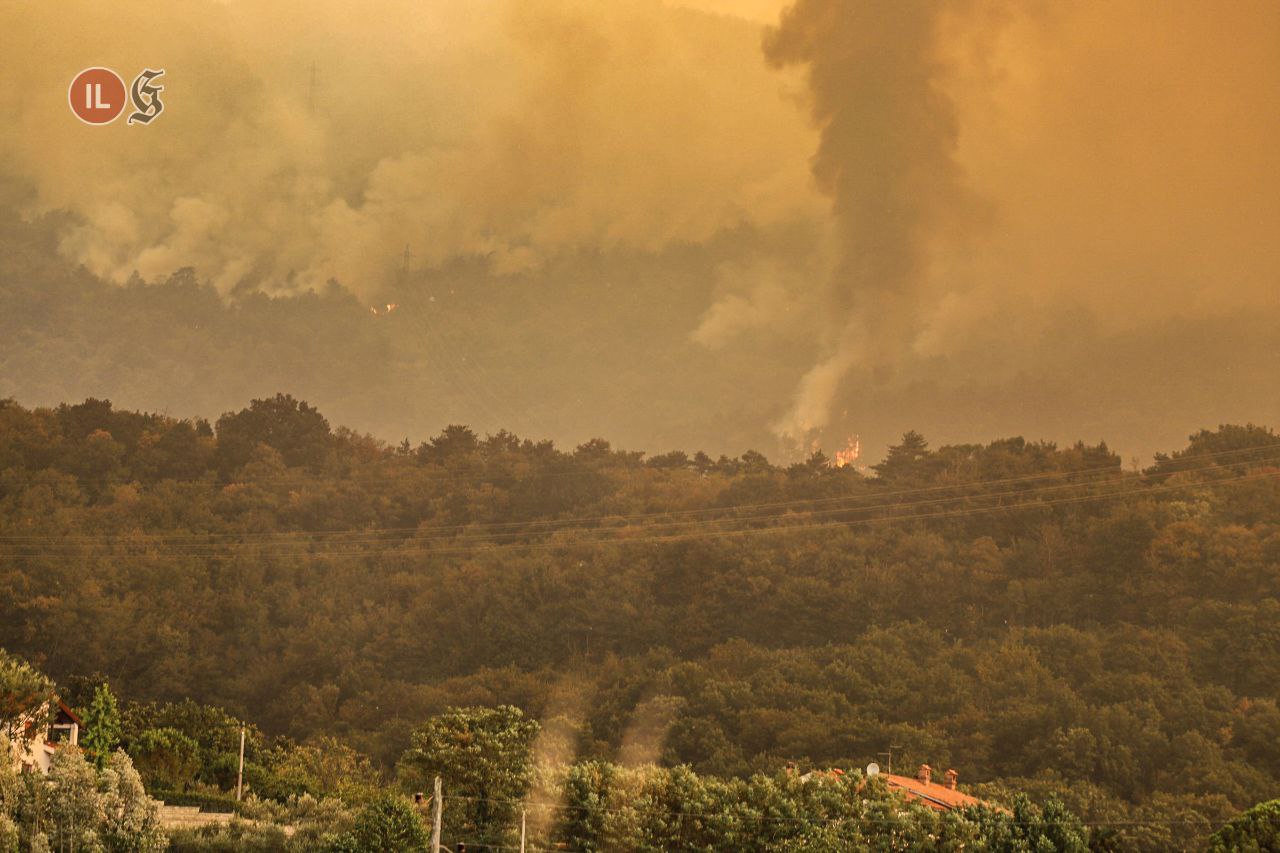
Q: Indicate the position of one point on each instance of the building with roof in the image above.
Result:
(41, 736)
(922, 789)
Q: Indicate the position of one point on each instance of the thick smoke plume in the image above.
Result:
(887, 160)
(301, 147)
(997, 170)
(624, 218)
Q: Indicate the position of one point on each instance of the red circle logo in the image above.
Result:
(97, 96)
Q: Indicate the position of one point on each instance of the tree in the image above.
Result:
(1237, 446)
(131, 820)
(82, 419)
(674, 459)
(754, 462)
(454, 442)
(102, 724)
(905, 461)
(296, 430)
(327, 767)
(78, 808)
(1255, 831)
(388, 823)
(179, 453)
(24, 694)
(74, 809)
(10, 835)
(216, 733)
(1049, 828)
(96, 461)
(76, 691)
(482, 756)
(11, 790)
(166, 758)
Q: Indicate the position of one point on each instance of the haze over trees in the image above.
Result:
(1042, 618)
(593, 343)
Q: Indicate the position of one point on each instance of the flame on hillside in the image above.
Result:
(387, 309)
(852, 450)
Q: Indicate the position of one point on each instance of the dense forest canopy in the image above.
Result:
(1039, 617)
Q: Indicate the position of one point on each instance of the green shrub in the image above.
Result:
(234, 837)
(166, 758)
(205, 802)
(389, 823)
(1255, 831)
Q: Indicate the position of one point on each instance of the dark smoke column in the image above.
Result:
(886, 159)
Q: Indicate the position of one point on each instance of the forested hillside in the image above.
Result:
(1039, 618)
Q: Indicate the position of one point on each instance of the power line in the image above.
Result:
(805, 527)
(380, 535)
(573, 525)
(486, 546)
(383, 543)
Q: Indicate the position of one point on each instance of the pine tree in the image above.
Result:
(102, 722)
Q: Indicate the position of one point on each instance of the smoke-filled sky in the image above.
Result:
(713, 224)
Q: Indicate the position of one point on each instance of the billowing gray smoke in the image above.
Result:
(887, 160)
(973, 218)
(296, 148)
(996, 168)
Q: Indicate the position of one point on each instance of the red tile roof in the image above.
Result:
(935, 796)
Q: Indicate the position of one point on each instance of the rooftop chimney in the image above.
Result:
(952, 778)
(925, 773)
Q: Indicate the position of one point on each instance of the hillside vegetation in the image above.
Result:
(1040, 618)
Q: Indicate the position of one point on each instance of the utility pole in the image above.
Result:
(240, 772)
(522, 816)
(435, 818)
(889, 757)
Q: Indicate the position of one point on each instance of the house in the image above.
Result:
(33, 750)
(922, 789)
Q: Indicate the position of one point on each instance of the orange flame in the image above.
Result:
(852, 450)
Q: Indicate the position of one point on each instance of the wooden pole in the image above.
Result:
(522, 815)
(435, 818)
(240, 772)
